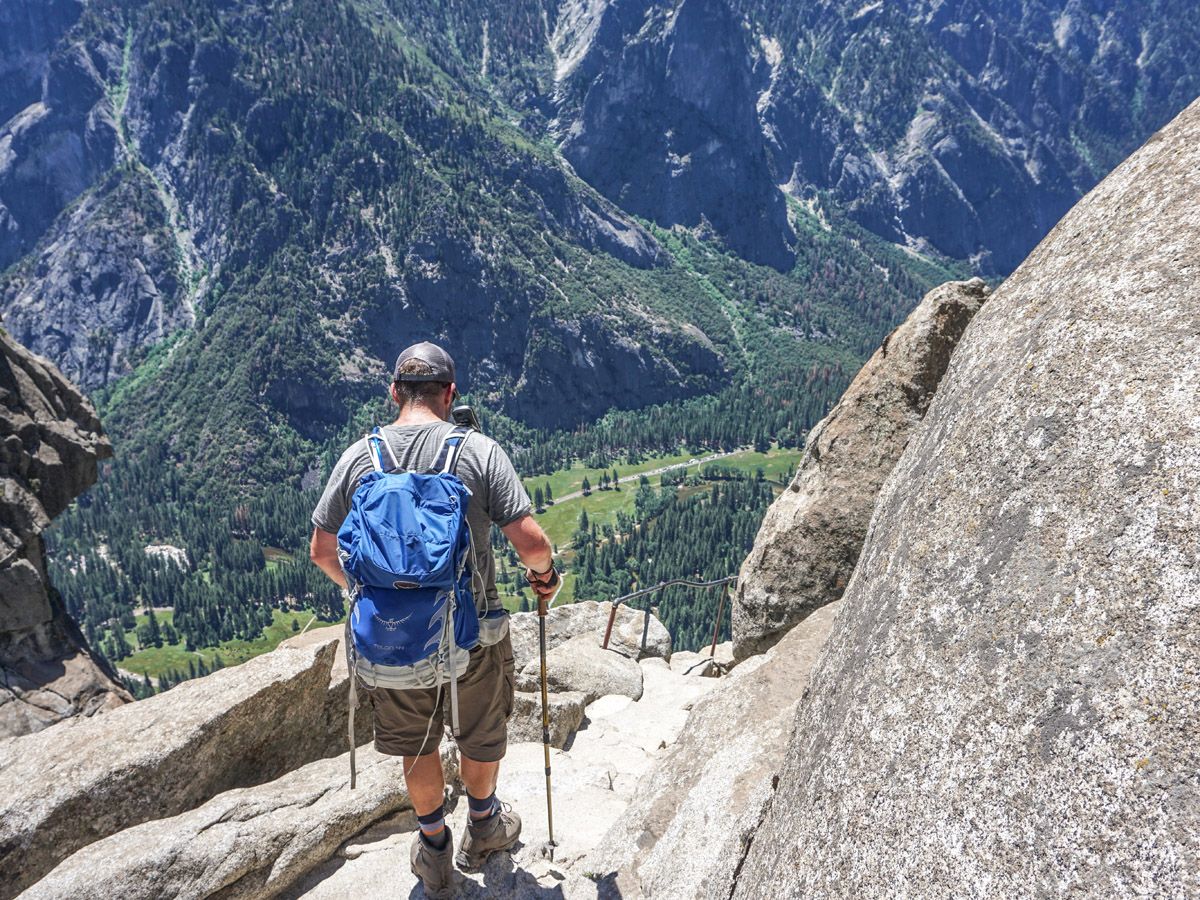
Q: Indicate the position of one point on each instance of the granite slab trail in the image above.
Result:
(595, 778)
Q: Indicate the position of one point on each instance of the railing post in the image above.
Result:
(612, 617)
(724, 583)
(717, 625)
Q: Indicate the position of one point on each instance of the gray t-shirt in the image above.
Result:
(497, 494)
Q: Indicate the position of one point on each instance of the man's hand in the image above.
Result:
(544, 584)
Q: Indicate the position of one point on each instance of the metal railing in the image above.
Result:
(662, 585)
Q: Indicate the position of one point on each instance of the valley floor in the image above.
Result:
(559, 519)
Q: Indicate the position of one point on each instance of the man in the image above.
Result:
(409, 723)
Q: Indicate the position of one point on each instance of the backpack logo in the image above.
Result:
(406, 585)
(392, 624)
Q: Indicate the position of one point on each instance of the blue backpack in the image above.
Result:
(405, 547)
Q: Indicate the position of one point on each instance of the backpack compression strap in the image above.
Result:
(447, 460)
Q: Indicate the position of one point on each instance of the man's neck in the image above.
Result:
(415, 414)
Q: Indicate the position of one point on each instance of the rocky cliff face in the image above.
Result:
(104, 282)
(58, 133)
(660, 100)
(810, 538)
(966, 127)
(51, 442)
(95, 270)
(1008, 703)
(137, 172)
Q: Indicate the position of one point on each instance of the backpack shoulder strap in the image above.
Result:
(447, 458)
(376, 446)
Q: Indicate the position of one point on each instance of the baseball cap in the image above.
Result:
(433, 356)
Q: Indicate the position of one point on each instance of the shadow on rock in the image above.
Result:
(502, 877)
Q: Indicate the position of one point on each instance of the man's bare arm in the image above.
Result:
(530, 542)
(322, 550)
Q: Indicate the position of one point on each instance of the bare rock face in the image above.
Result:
(57, 130)
(337, 697)
(566, 715)
(636, 633)
(246, 843)
(84, 779)
(581, 664)
(103, 281)
(659, 114)
(810, 538)
(692, 814)
(50, 443)
(1008, 702)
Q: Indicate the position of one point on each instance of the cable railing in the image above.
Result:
(662, 585)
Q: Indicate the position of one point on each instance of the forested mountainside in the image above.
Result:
(225, 218)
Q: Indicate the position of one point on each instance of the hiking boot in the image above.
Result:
(497, 832)
(434, 867)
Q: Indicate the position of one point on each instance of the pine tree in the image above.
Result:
(539, 502)
(120, 647)
(587, 486)
(153, 632)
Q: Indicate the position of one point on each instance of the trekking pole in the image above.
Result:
(543, 609)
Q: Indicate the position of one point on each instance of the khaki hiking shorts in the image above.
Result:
(410, 723)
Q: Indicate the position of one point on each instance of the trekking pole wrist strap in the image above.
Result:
(548, 578)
